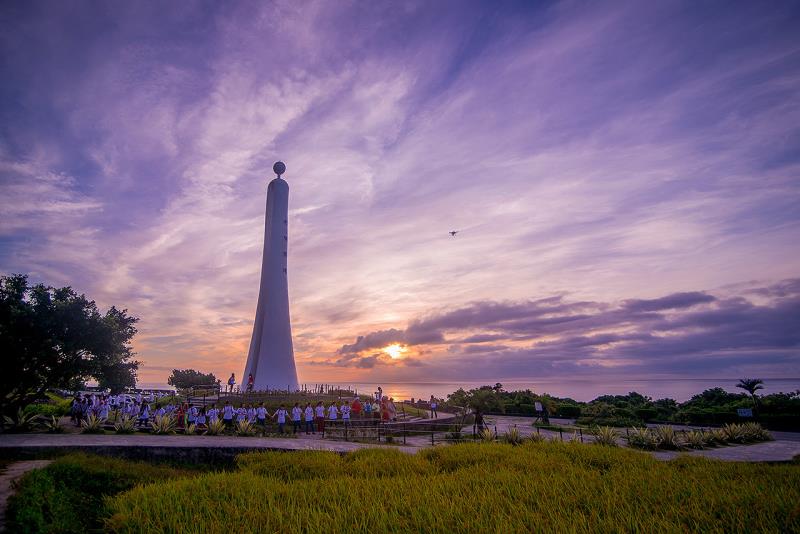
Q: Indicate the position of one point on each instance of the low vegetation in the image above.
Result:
(473, 487)
(666, 438)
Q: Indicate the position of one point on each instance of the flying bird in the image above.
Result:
(454, 232)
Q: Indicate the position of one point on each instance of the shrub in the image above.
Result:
(714, 436)
(537, 438)
(605, 435)
(512, 436)
(734, 433)
(125, 425)
(487, 435)
(22, 422)
(667, 438)
(695, 439)
(53, 425)
(163, 425)
(245, 428)
(191, 429)
(642, 438)
(754, 432)
(92, 425)
(570, 411)
(215, 427)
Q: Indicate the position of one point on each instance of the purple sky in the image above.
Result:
(625, 176)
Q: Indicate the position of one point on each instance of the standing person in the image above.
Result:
(201, 418)
(261, 416)
(231, 382)
(344, 409)
(320, 415)
(333, 411)
(212, 413)
(144, 416)
(392, 409)
(227, 414)
(250, 382)
(434, 406)
(355, 407)
(296, 416)
(241, 414)
(385, 410)
(368, 409)
(75, 410)
(308, 414)
(280, 415)
(251, 413)
(191, 416)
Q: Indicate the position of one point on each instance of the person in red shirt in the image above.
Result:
(355, 408)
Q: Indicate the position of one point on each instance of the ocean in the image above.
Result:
(680, 389)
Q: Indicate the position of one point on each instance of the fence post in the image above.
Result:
(405, 432)
(581, 431)
(433, 431)
(345, 432)
(537, 431)
(561, 434)
(495, 432)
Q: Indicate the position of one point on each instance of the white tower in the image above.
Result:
(271, 356)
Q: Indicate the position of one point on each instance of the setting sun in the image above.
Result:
(395, 350)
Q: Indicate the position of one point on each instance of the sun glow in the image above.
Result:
(395, 350)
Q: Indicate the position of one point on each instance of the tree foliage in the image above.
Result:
(54, 338)
(186, 378)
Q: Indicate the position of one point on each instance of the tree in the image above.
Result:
(55, 338)
(751, 385)
(186, 378)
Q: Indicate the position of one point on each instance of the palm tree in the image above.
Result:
(751, 385)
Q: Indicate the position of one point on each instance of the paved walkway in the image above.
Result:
(49, 441)
(7, 478)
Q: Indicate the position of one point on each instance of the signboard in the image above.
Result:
(538, 406)
(744, 412)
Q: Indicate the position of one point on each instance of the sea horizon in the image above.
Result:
(584, 390)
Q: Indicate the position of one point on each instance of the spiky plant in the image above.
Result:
(125, 425)
(215, 427)
(512, 436)
(667, 438)
(714, 437)
(191, 429)
(163, 424)
(734, 433)
(537, 438)
(21, 422)
(245, 428)
(605, 435)
(92, 425)
(695, 439)
(642, 438)
(486, 435)
(754, 432)
(53, 425)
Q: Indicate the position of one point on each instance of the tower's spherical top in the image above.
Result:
(279, 168)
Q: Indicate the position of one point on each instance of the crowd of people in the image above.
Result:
(308, 417)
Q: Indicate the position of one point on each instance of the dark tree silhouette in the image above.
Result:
(55, 338)
(751, 385)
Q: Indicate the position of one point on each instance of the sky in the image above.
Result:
(624, 176)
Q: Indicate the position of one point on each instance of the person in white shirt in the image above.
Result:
(319, 411)
(308, 413)
(333, 411)
(144, 416)
(212, 413)
(191, 416)
(241, 414)
(297, 414)
(344, 410)
(227, 414)
(280, 415)
(261, 415)
(201, 417)
(103, 411)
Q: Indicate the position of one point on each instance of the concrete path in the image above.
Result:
(88, 441)
(7, 477)
(770, 451)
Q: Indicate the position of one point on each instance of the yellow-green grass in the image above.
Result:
(470, 488)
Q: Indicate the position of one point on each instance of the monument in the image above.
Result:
(271, 356)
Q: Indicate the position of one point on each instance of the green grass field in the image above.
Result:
(469, 488)
(475, 487)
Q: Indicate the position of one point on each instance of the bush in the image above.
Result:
(605, 435)
(53, 425)
(215, 427)
(512, 436)
(570, 411)
(92, 425)
(126, 425)
(487, 435)
(163, 425)
(642, 438)
(667, 438)
(245, 428)
(695, 439)
(68, 495)
(22, 422)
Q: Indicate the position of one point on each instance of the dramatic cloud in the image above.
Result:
(690, 333)
(602, 161)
